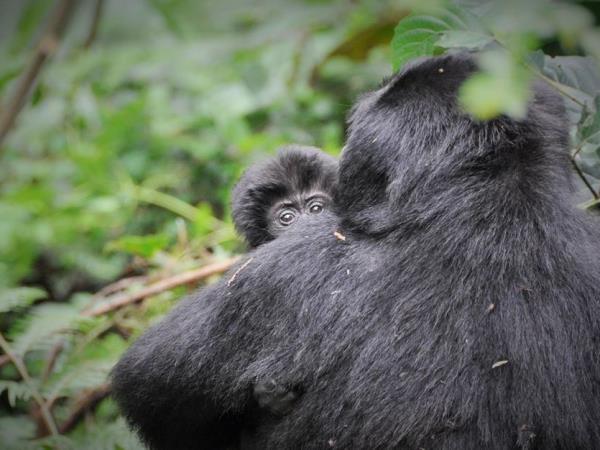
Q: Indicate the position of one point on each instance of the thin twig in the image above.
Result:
(22, 369)
(52, 358)
(584, 179)
(45, 48)
(91, 37)
(118, 301)
(87, 402)
(578, 149)
(590, 204)
(556, 85)
(119, 285)
(4, 360)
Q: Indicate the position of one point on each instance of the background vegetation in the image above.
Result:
(124, 125)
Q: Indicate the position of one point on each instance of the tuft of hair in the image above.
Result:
(296, 168)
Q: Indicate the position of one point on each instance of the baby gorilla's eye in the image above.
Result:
(287, 217)
(315, 207)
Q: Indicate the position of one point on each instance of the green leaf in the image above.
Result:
(428, 35)
(587, 143)
(415, 36)
(464, 39)
(21, 297)
(112, 436)
(15, 431)
(502, 87)
(106, 349)
(205, 222)
(30, 19)
(590, 125)
(79, 377)
(576, 72)
(167, 10)
(577, 77)
(144, 246)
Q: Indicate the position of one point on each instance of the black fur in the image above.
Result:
(462, 311)
(296, 170)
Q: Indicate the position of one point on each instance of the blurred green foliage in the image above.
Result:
(118, 171)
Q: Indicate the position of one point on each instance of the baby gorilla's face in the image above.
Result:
(286, 211)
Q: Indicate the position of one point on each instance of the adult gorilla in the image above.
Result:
(462, 311)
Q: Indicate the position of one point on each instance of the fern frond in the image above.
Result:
(21, 297)
(15, 391)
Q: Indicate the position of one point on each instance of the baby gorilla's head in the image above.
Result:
(271, 196)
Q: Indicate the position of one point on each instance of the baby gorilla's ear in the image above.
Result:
(252, 197)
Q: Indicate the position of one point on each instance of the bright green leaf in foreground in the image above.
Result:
(144, 246)
(464, 39)
(502, 87)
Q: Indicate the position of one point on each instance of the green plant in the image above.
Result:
(116, 176)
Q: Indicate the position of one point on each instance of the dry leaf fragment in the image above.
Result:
(339, 236)
(499, 363)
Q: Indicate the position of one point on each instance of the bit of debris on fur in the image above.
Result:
(331, 442)
(242, 267)
(336, 292)
(499, 363)
(347, 271)
(441, 70)
(339, 236)
(490, 308)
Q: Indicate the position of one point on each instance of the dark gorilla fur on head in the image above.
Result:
(296, 169)
(461, 312)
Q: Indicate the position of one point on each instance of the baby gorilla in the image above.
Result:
(267, 201)
(271, 196)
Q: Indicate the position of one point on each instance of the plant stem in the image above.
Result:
(45, 49)
(168, 202)
(94, 24)
(191, 276)
(584, 179)
(20, 365)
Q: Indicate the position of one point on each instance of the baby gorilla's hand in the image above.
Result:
(276, 398)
